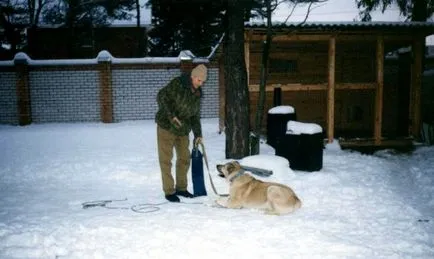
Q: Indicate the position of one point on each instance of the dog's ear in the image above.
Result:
(236, 165)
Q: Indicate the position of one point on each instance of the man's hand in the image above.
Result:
(176, 122)
(197, 141)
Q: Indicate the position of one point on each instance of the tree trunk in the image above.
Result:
(237, 94)
(70, 17)
(263, 83)
(420, 14)
(140, 52)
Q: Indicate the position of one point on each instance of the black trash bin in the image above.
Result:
(303, 146)
(277, 118)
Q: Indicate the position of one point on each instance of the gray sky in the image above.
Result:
(333, 10)
(336, 10)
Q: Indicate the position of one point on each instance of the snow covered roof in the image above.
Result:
(344, 25)
(113, 25)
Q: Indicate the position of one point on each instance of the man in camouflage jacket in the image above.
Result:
(178, 114)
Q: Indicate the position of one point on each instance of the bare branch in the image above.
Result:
(290, 13)
(278, 2)
(307, 13)
(313, 4)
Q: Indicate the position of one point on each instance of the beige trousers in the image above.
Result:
(166, 143)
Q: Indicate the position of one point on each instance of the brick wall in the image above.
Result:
(135, 92)
(8, 98)
(211, 95)
(92, 90)
(64, 96)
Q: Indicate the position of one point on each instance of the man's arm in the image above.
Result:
(166, 99)
(196, 128)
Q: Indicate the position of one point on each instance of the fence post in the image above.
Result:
(186, 64)
(105, 86)
(23, 89)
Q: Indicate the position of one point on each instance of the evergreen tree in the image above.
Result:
(76, 13)
(413, 10)
(16, 16)
(194, 25)
(12, 26)
(85, 14)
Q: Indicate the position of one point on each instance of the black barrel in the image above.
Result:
(304, 150)
(277, 118)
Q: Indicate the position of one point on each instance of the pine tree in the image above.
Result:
(413, 10)
(184, 25)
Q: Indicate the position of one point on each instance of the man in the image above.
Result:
(178, 114)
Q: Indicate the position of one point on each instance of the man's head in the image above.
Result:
(198, 75)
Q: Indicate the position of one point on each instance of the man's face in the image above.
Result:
(196, 81)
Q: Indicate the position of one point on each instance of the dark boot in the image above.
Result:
(172, 198)
(184, 194)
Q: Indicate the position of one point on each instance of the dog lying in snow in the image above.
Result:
(247, 192)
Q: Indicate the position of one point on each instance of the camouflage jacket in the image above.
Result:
(177, 99)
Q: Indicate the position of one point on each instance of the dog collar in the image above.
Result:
(240, 173)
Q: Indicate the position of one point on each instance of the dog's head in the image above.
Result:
(225, 170)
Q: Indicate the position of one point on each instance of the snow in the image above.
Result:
(103, 56)
(357, 206)
(6, 63)
(297, 128)
(186, 55)
(281, 109)
(278, 165)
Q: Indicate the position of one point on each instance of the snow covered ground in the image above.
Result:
(357, 206)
